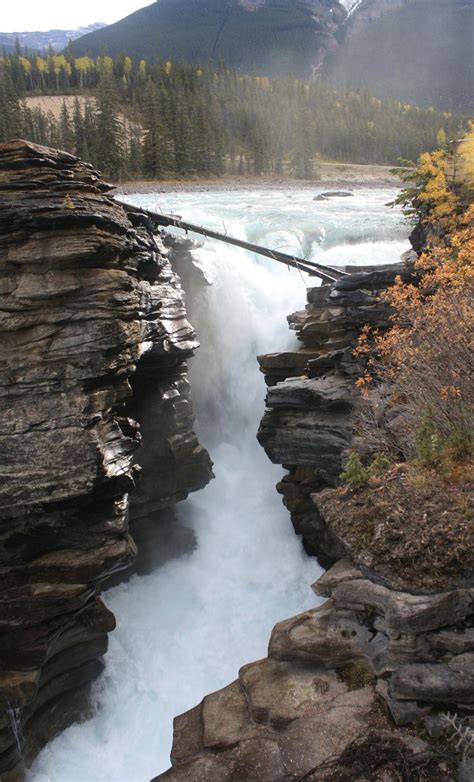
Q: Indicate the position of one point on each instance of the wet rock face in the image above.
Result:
(90, 309)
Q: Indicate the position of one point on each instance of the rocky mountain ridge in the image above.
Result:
(42, 40)
(415, 51)
(92, 369)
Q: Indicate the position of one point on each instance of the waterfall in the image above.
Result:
(14, 715)
(351, 5)
(184, 630)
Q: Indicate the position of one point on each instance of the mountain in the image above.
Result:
(274, 37)
(38, 41)
(417, 51)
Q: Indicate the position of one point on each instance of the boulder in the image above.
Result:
(225, 717)
(311, 741)
(279, 692)
(333, 194)
(403, 612)
(439, 683)
(324, 637)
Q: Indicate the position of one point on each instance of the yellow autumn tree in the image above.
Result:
(83, 66)
(441, 138)
(464, 159)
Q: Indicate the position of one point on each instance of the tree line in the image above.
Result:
(134, 118)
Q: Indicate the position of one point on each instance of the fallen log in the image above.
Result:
(325, 273)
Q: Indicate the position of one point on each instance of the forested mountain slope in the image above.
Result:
(420, 52)
(417, 51)
(274, 37)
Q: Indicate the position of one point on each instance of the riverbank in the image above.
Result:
(329, 175)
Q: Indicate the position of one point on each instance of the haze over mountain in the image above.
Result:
(417, 51)
(38, 41)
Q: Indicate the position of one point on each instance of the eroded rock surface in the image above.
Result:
(340, 685)
(94, 339)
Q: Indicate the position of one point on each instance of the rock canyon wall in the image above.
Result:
(95, 404)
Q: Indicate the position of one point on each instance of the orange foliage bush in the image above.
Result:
(428, 352)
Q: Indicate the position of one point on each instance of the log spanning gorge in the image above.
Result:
(100, 449)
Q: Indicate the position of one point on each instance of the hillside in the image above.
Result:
(276, 37)
(188, 121)
(421, 52)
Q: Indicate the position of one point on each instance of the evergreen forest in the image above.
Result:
(165, 119)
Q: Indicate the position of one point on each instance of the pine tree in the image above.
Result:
(109, 141)
(53, 130)
(158, 147)
(135, 158)
(259, 148)
(79, 129)
(303, 151)
(90, 134)
(66, 132)
(10, 114)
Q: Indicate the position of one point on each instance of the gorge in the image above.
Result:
(230, 566)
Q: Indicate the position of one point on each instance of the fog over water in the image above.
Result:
(185, 630)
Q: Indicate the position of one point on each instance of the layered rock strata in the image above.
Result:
(94, 340)
(344, 683)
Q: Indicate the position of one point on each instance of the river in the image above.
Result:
(185, 630)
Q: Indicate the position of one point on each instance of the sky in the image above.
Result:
(32, 15)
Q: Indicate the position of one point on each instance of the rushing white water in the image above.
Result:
(351, 5)
(184, 630)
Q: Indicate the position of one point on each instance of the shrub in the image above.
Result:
(357, 675)
(427, 440)
(427, 354)
(355, 474)
(379, 465)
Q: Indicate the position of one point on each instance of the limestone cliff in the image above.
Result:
(94, 340)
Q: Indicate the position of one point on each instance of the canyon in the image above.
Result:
(101, 448)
